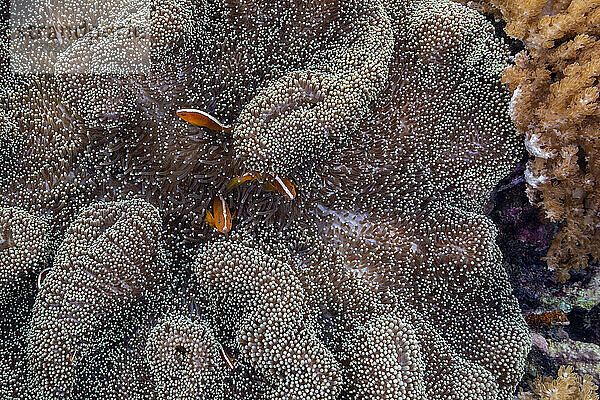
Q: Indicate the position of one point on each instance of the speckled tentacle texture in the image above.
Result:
(24, 247)
(392, 299)
(401, 203)
(440, 128)
(24, 253)
(380, 280)
(265, 307)
(104, 280)
(400, 356)
(185, 360)
(302, 116)
(448, 280)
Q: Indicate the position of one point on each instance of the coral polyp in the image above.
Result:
(366, 270)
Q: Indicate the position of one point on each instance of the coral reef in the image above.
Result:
(381, 279)
(585, 324)
(555, 106)
(584, 357)
(567, 386)
(525, 236)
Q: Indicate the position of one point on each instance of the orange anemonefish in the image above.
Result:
(202, 119)
(248, 176)
(282, 185)
(41, 277)
(221, 217)
(227, 358)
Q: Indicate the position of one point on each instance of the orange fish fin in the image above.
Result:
(269, 186)
(217, 209)
(240, 179)
(233, 182)
(210, 219)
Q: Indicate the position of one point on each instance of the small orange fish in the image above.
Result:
(248, 176)
(221, 217)
(227, 358)
(546, 319)
(282, 185)
(202, 119)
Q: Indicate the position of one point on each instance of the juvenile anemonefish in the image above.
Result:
(248, 176)
(73, 356)
(282, 185)
(41, 277)
(227, 358)
(546, 319)
(202, 119)
(221, 217)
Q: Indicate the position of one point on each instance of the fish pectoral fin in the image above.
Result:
(209, 219)
(269, 187)
(232, 183)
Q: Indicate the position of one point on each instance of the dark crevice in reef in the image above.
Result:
(523, 237)
(538, 364)
(584, 325)
(514, 45)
